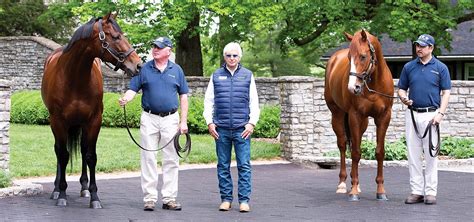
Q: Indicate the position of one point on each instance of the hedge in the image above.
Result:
(27, 108)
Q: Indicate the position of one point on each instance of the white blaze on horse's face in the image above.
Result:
(353, 86)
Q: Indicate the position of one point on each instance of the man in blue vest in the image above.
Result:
(231, 111)
(428, 83)
(160, 81)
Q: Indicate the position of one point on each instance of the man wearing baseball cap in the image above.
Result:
(160, 80)
(424, 86)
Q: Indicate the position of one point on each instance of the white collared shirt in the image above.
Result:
(253, 101)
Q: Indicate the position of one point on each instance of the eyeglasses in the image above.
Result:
(231, 55)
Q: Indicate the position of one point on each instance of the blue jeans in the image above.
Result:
(242, 154)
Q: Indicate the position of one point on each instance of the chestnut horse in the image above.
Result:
(72, 91)
(359, 84)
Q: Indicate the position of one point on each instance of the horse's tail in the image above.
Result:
(73, 136)
(347, 131)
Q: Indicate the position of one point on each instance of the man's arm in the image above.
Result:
(443, 106)
(184, 105)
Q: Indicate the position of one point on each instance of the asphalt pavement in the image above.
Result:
(281, 192)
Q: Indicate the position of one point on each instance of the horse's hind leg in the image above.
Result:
(91, 134)
(338, 127)
(84, 180)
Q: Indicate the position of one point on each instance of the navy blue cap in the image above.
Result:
(162, 42)
(425, 40)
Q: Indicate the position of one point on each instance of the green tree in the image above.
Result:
(19, 17)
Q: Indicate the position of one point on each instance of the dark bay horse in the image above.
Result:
(359, 84)
(72, 90)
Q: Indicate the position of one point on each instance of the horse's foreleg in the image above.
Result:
(338, 127)
(382, 126)
(357, 126)
(84, 180)
(91, 159)
(62, 156)
(55, 193)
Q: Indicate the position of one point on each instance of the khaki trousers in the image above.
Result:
(155, 132)
(418, 149)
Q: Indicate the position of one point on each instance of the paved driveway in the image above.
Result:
(282, 192)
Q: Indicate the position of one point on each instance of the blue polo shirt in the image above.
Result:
(425, 81)
(160, 89)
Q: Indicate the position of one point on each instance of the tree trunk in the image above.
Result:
(188, 50)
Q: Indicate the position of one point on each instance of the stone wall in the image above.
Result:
(305, 119)
(5, 92)
(23, 58)
(299, 145)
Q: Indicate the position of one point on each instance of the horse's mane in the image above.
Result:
(85, 32)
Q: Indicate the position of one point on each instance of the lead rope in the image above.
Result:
(186, 149)
(434, 150)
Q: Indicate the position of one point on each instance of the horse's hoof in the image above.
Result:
(61, 203)
(54, 195)
(85, 193)
(382, 197)
(353, 197)
(95, 205)
(339, 190)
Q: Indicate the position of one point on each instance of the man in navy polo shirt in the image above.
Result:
(161, 81)
(428, 82)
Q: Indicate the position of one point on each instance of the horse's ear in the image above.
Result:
(110, 15)
(348, 36)
(364, 35)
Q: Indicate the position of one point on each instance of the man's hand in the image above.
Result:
(183, 127)
(213, 131)
(248, 130)
(127, 97)
(123, 101)
(437, 119)
(406, 101)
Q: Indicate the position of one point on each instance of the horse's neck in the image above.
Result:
(78, 63)
(381, 72)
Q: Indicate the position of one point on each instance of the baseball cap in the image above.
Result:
(425, 40)
(162, 42)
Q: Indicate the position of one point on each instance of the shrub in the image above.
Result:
(196, 122)
(28, 108)
(461, 148)
(268, 125)
(5, 179)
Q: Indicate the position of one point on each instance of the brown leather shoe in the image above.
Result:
(414, 198)
(172, 205)
(244, 208)
(225, 206)
(149, 206)
(430, 199)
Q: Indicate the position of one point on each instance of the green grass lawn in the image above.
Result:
(32, 152)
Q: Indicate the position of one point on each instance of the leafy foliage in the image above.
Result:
(457, 147)
(27, 107)
(460, 148)
(268, 125)
(5, 179)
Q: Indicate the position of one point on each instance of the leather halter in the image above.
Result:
(365, 76)
(119, 56)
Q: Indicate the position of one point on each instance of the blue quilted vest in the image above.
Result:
(231, 97)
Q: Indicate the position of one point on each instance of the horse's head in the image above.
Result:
(362, 60)
(115, 46)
